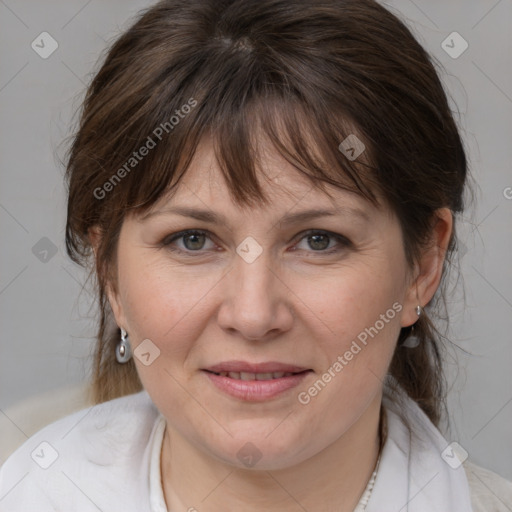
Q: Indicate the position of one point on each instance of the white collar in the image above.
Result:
(413, 476)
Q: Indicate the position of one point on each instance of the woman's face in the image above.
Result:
(255, 288)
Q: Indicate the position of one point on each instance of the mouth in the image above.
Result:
(255, 382)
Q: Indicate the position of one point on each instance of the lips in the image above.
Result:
(255, 382)
(251, 386)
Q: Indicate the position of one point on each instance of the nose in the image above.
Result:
(256, 300)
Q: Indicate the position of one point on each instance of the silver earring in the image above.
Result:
(123, 350)
(412, 340)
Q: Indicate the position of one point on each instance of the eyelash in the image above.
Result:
(169, 239)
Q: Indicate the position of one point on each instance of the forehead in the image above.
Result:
(284, 186)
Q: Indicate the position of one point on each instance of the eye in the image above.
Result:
(319, 241)
(193, 240)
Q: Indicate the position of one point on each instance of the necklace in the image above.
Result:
(365, 498)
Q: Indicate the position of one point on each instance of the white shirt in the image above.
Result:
(107, 458)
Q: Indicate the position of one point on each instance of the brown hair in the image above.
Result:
(306, 75)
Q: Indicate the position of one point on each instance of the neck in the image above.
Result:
(333, 479)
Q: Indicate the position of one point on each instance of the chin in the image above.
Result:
(261, 452)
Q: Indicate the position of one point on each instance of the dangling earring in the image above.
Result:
(123, 350)
(412, 340)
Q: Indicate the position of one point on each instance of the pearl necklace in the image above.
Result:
(365, 498)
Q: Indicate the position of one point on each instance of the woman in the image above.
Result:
(268, 191)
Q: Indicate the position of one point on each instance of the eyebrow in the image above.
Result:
(289, 219)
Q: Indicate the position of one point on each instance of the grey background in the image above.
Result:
(47, 327)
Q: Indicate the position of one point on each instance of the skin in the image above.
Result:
(294, 304)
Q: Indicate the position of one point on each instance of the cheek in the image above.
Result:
(362, 312)
(164, 303)
(355, 301)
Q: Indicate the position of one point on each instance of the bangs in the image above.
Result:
(307, 138)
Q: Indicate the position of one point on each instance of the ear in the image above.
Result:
(95, 233)
(429, 270)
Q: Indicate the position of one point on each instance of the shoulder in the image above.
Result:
(77, 458)
(489, 491)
